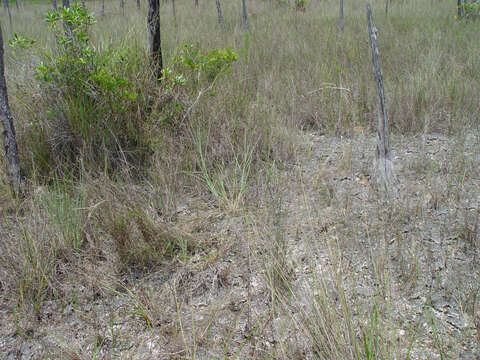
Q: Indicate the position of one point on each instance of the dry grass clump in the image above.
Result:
(61, 238)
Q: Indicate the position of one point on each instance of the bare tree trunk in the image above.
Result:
(14, 172)
(5, 5)
(460, 8)
(384, 163)
(102, 12)
(54, 5)
(386, 7)
(196, 3)
(219, 13)
(138, 5)
(174, 12)
(154, 39)
(340, 20)
(244, 15)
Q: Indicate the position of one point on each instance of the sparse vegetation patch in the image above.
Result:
(215, 197)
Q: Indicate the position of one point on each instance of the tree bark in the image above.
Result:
(154, 39)
(219, 13)
(14, 173)
(340, 20)
(174, 12)
(5, 5)
(244, 15)
(460, 8)
(383, 159)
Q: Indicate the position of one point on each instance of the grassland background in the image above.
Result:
(264, 196)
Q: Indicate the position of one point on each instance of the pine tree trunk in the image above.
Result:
(5, 5)
(14, 172)
(460, 8)
(384, 163)
(219, 13)
(154, 39)
(244, 15)
(340, 20)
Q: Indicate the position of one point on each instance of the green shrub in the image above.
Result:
(90, 115)
(471, 10)
(100, 109)
(205, 65)
(191, 73)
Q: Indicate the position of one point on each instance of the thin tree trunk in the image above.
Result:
(17, 4)
(196, 3)
(122, 6)
(244, 15)
(102, 12)
(154, 39)
(384, 163)
(54, 5)
(5, 5)
(138, 5)
(174, 13)
(14, 173)
(386, 7)
(219, 13)
(340, 20)
(460, 8)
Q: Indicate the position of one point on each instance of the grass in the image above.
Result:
(234, 218)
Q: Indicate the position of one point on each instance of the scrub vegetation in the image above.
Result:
(228, 208)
